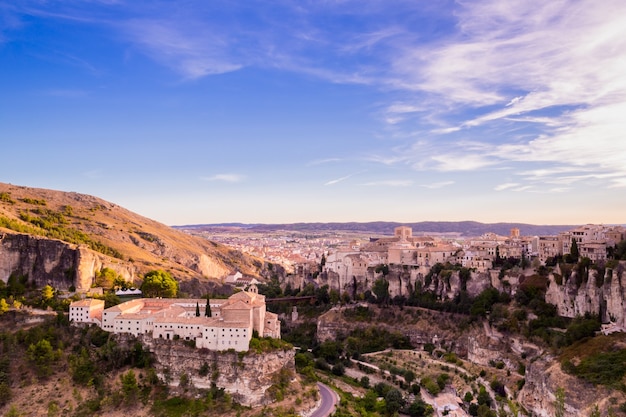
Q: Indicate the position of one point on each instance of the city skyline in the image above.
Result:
(289, 111)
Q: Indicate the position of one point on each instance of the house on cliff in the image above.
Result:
(87, 311)
(230, 326)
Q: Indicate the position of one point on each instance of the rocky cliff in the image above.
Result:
(544, 378)
(247, 376)
(54, 262)
(600, 293)
(402, 280)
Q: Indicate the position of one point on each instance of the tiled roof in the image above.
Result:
(87, 302)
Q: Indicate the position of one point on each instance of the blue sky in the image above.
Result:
(286, 111)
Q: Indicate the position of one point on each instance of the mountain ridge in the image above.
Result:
(465, 228)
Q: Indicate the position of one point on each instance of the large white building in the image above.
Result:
(230, 326)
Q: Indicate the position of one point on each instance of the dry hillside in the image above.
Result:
(110, 229)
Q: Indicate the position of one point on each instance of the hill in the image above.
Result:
(114, 234)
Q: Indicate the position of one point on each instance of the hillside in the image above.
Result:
(118, 234)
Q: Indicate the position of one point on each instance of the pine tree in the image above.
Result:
(574, 253)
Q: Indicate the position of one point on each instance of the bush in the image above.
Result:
(431, 386)
(338, 369)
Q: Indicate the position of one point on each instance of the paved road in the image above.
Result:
(329, 400)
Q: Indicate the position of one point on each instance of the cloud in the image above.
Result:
(436, 185)
(389, 183)
(191, 51)
(559, 103)
(225, 178)
(506, 186)
(323, 161)
(338, 180)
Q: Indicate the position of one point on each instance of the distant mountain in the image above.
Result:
(462, 228)
(114, 232)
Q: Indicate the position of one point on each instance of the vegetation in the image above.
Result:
(159, 284)
(51, 224)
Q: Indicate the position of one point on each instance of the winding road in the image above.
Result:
(327, 405)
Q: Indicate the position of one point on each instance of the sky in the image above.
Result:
(196, 111)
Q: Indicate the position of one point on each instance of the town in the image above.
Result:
(350, 257)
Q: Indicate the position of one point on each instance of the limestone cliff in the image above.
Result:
(246, 376)
(544, 377)
(402, 280)
(54, 262)
(601, 295)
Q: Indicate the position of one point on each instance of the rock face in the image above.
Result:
(247, 376)
(544, 378)
(53, 262)
(601, 295)
(402, 280)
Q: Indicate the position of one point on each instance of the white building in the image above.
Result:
(230, 326)
(87, 311)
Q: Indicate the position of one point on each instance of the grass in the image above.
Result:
(600, 360)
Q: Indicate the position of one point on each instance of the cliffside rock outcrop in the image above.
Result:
(539, 394)
(402, 280)
(600, 295)
(247, 376)
(54, 262)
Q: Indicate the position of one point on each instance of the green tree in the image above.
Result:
(483, 397)
(121, 283)
(409, 376)
(42, 356)
(420, 409)
(197, 309)
(159, 284)
(381, 290)
(393, 401)
(573, 252)
(83, 369)
(207, 308)
(107, 278)
(47, 293)
(130, 388)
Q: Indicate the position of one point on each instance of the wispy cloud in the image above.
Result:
(182, 48)
(506, 186)
(338, 180)
(323, 161)
(500, 69)
(389, 183)
(436, 185)
(225, 178)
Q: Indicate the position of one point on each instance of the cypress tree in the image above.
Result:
(197, 309)
(207, 310)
